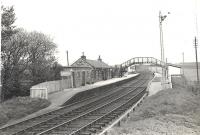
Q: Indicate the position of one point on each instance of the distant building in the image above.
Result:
(85, 71)
(189, 70)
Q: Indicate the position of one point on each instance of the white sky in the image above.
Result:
(115, 29)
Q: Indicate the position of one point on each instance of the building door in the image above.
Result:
(83, 78)
(102, 74)
(73, 80)
(106, 74)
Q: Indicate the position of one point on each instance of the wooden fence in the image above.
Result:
(181, 81)
(43, 89)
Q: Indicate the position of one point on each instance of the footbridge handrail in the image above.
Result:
(147, 60)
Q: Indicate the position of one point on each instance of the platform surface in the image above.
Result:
(156, 86)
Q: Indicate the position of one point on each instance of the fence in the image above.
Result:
(181, 81)
(39, 92)
(178, 80)
(43, 89)
(194, 86)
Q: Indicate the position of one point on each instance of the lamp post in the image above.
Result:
(163, 78)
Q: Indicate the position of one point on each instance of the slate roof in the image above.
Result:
(97, 64)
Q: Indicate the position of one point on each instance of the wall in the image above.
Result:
(100, 74)
(92, 75)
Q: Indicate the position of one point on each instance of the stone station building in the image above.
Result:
(85, 71)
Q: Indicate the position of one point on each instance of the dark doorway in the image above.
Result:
(73, 77)
(83, 78)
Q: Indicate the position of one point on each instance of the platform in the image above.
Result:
(155, 86)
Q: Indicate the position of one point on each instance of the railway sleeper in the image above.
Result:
(85, 133)
(101, 124)
(122, 109)
(72, 115)
(96, 126)
(67, 129)
(54, 123)
(76, 125)
(76, 112)
(63, 118)
(11, 130)
(116, 113)
(110, 116)
(107, 118)
(105, 121)
(27, 133)
(45, 126)
(37, 130)
(93, 130)
(88, 118)
(98, 114)
(58, 133)
(7, 133)
(67, 115)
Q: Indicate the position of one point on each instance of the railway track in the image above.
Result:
(85, 117)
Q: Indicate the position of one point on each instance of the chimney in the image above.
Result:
(99, 59)
(83, 56)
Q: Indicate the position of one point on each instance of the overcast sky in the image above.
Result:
(115, 29)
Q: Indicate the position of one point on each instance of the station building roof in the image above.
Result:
(90, 63)
(97, 64)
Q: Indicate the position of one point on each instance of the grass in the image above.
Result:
(19, 107)
(172, 111)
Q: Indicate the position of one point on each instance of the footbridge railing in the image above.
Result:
(147, 60)
(143, 60)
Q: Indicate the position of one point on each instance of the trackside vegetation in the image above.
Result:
(19, 107)
(172, 111)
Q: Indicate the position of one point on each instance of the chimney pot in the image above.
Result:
(83, 56)
(99, 59)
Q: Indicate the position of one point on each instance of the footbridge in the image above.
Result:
(147, 60)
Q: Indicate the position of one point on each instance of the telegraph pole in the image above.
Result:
(183, 62)
(195, 46)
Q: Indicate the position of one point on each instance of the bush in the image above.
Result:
(19, 107)
(3, 116)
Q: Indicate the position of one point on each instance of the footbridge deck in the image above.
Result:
(147, 60)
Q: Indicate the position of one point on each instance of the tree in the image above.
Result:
(27, 53)
(41, 55)
(15, 61)
(56, 69)
(7, 21)
(26, 56)
(7, 30)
